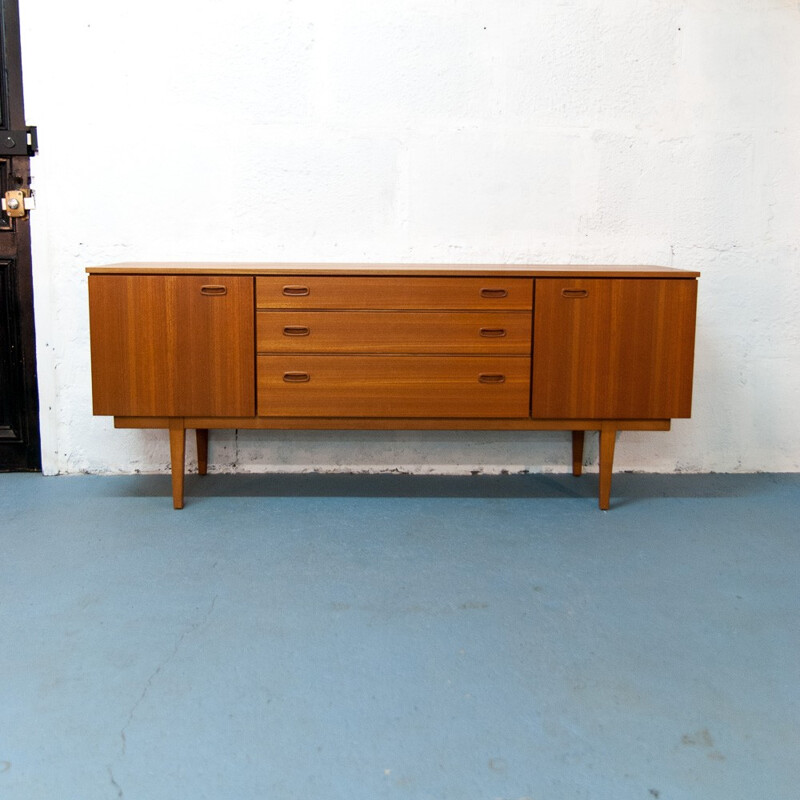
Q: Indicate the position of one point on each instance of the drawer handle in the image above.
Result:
(213, 289)
(296, 330)
(491, 377)
(574, 294)
(296, 377)
(296, 291)
(493, 333)
(492, 293)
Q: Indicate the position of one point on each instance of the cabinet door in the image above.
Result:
(613, 348)
(172, 345)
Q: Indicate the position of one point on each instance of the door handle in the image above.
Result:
(296, 377)
(213, 289)
(18, 202)
(493, 333)
(296, 291)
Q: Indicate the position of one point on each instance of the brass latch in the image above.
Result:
(18, 202)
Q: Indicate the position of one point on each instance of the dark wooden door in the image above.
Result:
(613, 348)
(19, 412)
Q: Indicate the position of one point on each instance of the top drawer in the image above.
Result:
(350, 292)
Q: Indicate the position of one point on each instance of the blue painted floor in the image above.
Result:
(367, 637)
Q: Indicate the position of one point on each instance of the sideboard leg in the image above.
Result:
(202, 450)
(577, 452)
(177, 452)
(608, 438)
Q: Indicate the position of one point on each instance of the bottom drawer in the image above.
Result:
(393, 386)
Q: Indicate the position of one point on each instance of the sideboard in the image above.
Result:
(204, 346)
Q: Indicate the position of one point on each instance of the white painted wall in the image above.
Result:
(520, 131)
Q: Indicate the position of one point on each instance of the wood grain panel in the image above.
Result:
(394, 423)
(435, 293)
(613, 348)
(162, 347)
(402, 332)
(397, 270)
(393, 386)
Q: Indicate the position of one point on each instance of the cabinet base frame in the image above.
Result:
(178, 426)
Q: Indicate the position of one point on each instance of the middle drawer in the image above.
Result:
(401, 332)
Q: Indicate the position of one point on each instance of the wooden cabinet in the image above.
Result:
(198, 346)
(606, 349)
(383, 347)
(169, 345)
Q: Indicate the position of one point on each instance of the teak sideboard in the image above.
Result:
(414, 347)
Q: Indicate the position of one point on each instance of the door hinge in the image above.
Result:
(19, 143)
(18, 202)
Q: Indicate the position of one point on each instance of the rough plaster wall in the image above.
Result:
(556, 131)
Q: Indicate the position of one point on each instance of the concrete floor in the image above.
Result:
(357, 638)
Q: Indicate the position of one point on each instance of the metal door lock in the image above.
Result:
(18, 202)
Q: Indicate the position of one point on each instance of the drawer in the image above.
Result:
(445, 294)
(402, 332)
(393, 386)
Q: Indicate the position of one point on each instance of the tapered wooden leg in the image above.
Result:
(177, 453)
(202, 450)
(577, 452)
(608, 438)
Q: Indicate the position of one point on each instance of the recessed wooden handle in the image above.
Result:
(491, 377)
(296, 291)
(213, 289)
(493, 333)
(296, 330)
(574, 294)
(490, 293)
(296, 377)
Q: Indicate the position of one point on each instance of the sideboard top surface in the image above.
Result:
(453, 270)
